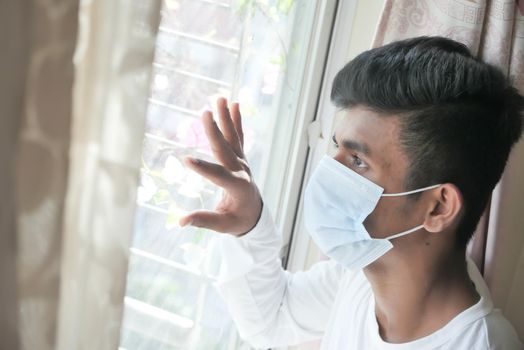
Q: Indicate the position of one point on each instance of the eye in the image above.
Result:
(357, 162)
(335, 143)
(354, 159)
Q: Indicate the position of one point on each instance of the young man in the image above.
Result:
(426, 132)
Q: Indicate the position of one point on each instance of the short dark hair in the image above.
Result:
(459, 116)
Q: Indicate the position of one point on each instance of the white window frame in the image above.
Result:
(317, 133)
(296, 158)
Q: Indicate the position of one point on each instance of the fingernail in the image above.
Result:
(192, 160)
(187, 223)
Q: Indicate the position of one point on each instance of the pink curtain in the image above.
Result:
(494, 31)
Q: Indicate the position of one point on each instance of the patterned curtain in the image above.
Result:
(494, 31)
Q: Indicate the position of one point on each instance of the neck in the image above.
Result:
(418, 297)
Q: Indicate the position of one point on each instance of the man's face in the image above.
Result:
(369, 145)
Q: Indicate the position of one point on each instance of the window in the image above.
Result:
(268, 55)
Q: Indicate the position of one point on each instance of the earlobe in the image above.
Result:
(445, 209)
(433, 222)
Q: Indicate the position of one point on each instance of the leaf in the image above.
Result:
(161, 197)
(285, 6)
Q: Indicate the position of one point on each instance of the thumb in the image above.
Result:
(207, 219)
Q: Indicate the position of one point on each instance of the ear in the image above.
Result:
(446, 207)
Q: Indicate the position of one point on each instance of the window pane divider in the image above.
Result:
(200, 39)
(217, 3)
(169, 263)
(192, 75)
(164, 140)
(174, 107)
(158, 313)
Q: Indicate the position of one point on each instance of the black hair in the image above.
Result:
(459, 116)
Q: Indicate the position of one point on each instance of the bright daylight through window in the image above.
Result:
(251, 51)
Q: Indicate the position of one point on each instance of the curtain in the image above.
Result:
(73, 99)
(13, 71)
(494, 31)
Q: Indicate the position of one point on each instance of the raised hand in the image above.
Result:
(239, 210)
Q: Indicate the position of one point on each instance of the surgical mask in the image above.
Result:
(337, 201)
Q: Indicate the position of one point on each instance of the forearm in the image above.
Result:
(270, 306)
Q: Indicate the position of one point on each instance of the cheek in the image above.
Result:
(387, 218)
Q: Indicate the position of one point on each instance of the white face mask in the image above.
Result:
(337, 201)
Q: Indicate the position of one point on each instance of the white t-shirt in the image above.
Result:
(272, 307)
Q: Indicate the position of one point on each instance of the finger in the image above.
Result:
(220, 147)
(237, 122)
(219, 222)
(216, 173)
(227, 127)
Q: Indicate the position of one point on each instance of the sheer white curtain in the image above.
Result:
(113, 64)
(73, 102)
(493, 30)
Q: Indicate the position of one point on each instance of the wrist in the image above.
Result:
(261, 208)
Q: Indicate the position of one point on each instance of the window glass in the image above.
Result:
(251, 51)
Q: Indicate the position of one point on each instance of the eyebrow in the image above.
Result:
(354, 145)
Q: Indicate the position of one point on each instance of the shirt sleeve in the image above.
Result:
(270, 306)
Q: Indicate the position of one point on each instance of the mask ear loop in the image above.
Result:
(400, 234)
(404, 233)
(410, 192)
